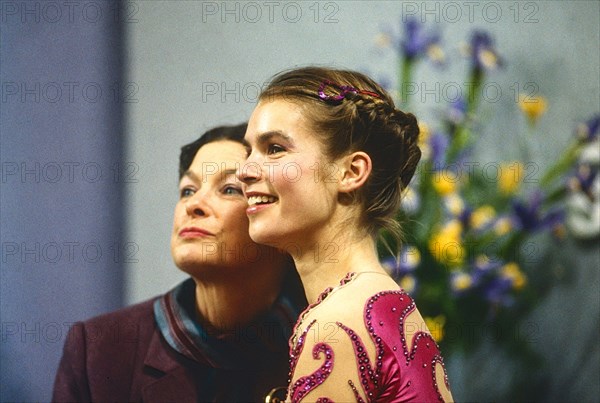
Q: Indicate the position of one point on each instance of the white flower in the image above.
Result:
(584, 212)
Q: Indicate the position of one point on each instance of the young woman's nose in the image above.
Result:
(249, 172)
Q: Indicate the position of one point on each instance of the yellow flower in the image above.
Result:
(533, 107)
(436, 53)
(512, 272)
(446, 245)
(411, 256)
(489, 59)
(436, 326)
(424, 134)
(511, 176)
(482, 260)
(408, 283)
(455, 204)
(482, 216)
(503, 226)
(461, 281)
(445, 182)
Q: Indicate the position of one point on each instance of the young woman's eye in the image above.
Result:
(274, 149)
(232, 190)
(186, 192)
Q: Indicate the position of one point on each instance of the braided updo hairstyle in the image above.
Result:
(362, 120)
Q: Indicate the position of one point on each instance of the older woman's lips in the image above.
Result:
(194, 232)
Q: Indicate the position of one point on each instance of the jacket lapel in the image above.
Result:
(165, 379)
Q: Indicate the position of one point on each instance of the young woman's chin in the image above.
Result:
(263, 238)
(267, 235)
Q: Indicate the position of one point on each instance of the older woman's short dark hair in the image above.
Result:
(188, 151)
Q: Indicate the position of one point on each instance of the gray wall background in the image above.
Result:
(191, 65)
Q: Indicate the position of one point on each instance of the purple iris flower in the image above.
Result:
(588, 131)
(465, 216)
(528, 216)
(483, 55)
(416, 42)
(482, 270)
(487, 280)
(439, 144)
(456, 112)
(498, 290)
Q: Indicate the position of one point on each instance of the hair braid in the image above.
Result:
(390, 137)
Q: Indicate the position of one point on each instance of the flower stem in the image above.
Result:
(406, 65)
(564, 163)
(462, 135)
(473, 98)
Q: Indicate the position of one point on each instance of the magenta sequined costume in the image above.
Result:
(406, 365)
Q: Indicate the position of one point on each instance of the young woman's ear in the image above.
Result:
(355, 170)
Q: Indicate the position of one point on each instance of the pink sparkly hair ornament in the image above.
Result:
(343, 91)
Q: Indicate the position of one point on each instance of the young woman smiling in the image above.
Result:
(329, 158)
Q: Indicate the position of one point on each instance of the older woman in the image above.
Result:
(222, 334)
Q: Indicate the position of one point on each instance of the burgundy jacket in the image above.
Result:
(134, 355)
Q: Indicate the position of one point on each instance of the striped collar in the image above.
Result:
(175, 314)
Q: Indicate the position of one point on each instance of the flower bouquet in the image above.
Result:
(473, 231)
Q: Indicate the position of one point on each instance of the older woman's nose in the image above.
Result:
(197, 205)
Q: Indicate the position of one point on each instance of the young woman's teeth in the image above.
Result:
(254, 200)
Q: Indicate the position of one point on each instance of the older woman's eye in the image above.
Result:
(186, 192)
(274, 149)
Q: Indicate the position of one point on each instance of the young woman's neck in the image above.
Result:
(324, 264)
(228, 302)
